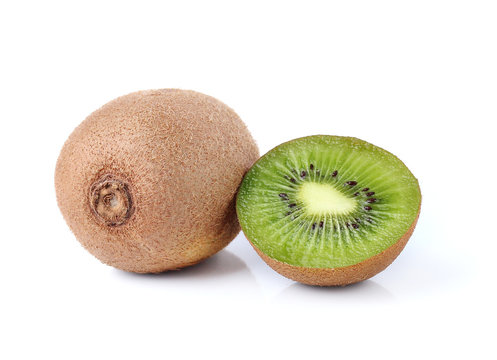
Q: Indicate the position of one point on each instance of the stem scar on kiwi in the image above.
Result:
(138, 180)
(111, 201)
(346, 220)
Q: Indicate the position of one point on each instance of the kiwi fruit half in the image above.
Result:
(147, 183)
(328, 210)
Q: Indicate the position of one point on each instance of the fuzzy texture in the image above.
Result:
(344, 275)
(181, 155)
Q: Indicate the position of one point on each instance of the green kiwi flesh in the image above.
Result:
(327, 202)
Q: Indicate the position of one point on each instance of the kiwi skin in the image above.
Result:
(147, 183)
(344, 275)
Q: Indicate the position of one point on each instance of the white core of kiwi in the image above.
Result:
(322, 199)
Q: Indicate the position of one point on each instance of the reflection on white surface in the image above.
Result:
(366, 291)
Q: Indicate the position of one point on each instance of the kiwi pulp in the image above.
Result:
(328, 210)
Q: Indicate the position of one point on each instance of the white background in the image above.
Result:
(418, 78)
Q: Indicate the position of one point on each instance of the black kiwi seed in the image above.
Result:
(356, 194)
(335, 173)
(293, 180)
(303, 174)
(367, 208)
(321, 223)
(313, 226)
(355, 226)
(370, 193)
(372, 200)
(351, 183)
(311, 167)
(292, 205)
(365, 189)
(283, 196)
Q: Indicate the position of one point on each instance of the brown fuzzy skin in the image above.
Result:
(344, 275)
(174, 159)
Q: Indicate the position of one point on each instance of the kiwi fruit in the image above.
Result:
(328, 210)
(147, 183)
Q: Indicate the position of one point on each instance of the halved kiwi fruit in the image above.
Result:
(147, 183)
(328, 210)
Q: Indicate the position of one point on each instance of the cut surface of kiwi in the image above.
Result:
(328, 202)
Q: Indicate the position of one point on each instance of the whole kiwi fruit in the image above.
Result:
(328, 210)
(147, 183)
